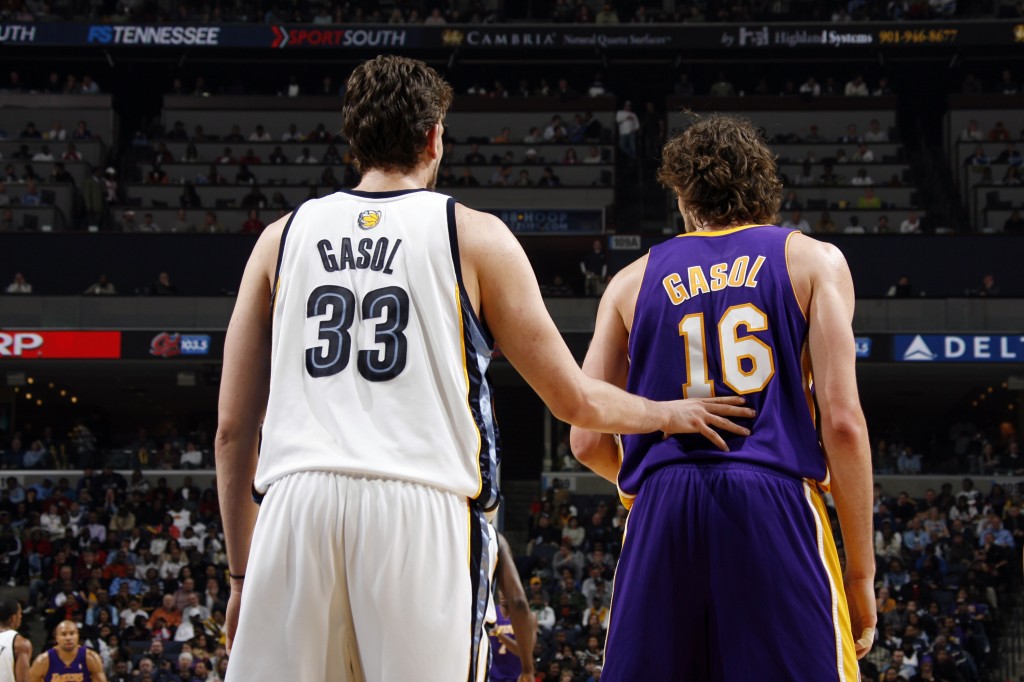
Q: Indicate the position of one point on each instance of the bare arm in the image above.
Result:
(95, 665)
(524, 624)
(608, 360)
(843, 428)
(244, 388)
(502, 285)
(22, 658)
(39, 668)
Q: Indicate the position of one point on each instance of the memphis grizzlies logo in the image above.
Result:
(369, 219)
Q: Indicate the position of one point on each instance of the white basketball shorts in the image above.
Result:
(353, 579)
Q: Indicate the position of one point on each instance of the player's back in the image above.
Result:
(7, 655)
(717, 315)
(378, 361)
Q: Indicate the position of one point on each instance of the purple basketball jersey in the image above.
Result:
(505, 665)
(76, 671)
(717, 315)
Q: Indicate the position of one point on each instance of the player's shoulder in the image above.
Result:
(807, 252)
(627, 281)
(483, 234)
(466, 217)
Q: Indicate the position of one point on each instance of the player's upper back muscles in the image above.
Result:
(377, 361)
(717, 315)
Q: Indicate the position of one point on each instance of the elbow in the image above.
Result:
(520, 606)
(845, 426)
(584, 445)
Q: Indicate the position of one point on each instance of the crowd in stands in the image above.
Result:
(80, 449)
(138, 564)
(946, 565)
(559, 11)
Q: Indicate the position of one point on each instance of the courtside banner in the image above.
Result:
(521, 37)
(59, 345)
(172, 344)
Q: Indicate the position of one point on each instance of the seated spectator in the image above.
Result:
(856, 87)
(875, 133)
(474, 156)
(191, 154)
(810, 88)
(446, 178)
(555, 131)
(797, 222)
(829, 178)
(863, 154)
(912, 224)
(869, 200)
(791, 202)
(293, 134)
(862, 178)
(235, 135)
(1011, 178)
(504, 137)
(306, 157)
(570, 156)
(30, 132)
(851, 136)
(253, 225)
(244, 176)
(549, 179)
(260, 135)
(1010, 155)
(189, 197)
(999, 133)
(277, 157)
(31, 195)
(978, 157)
(81, 132)
(524, 179)
(532, 157)
(226, 157)
(466, 179)
(250, 158)
(19, 285)
(853, 226)
(163, 286)
(101, 287)
(148, 224)
(157, 176)
(502, 177)
(722, 87)
(210, 224)
(593, 156)
(44, 155)
(71, 153)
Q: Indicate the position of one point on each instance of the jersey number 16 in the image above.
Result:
(734, 350)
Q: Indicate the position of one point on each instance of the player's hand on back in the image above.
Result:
(704, 415)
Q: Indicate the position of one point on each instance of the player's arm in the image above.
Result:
(524, 624)
(608, 360)
(510, 301)
(244, 388)
(39, 668)
(843, 428)
(22, 658)
(95, 665)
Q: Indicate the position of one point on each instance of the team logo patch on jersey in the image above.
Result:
(369, 219)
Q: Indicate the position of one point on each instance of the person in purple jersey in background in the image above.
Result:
(728, 570)
(515, 630)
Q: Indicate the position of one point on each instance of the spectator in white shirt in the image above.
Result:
(260, 135)
(43, 155)
(57, 132)
(19, 285)
(305, 157)
(862, 178)
(875, 132)
(857, 87)
(629, 127)
(797, 222)
(912, 225)
(810, 87)
(972, 133)
(864, 155)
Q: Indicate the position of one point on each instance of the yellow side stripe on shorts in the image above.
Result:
(846, 653)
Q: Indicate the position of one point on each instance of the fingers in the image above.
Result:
(714, 437)
(727, 425)
(728, 410)
(725, 399)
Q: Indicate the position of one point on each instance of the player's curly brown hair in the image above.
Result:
(390, 105)
(723, 172)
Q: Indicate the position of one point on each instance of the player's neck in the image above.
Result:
(375, 180)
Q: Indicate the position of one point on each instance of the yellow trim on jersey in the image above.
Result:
(717, 233)
(465, 373)
(846, 653)
(789, 274)
(611, 600)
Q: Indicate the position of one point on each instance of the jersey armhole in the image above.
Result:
(280, 260)
(636, 306)
(466, 304)
(789, 275)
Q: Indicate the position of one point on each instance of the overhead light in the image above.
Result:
(74, 399)
(31, 380)
(63, 392)
(39, 403)
(28, 396)
(51, 384)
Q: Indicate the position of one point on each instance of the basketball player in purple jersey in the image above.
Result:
(67, 662)
(515, 631)
(728, 569)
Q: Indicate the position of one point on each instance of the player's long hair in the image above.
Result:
(723, 172)
(391, 103)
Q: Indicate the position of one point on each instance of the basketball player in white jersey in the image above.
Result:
(15, 650)
(359, 343)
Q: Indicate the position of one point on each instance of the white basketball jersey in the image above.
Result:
(378, 360)
(7, 655)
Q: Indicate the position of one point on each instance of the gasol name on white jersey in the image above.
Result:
(378, 362)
